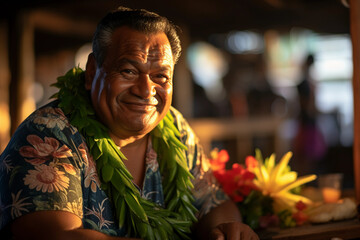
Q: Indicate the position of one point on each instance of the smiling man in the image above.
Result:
(134, 83)
(110, 158)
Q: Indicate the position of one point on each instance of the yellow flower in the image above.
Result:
(75, 207)
(276, 181)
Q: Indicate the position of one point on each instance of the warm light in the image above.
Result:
(27, 108)
(330, 185)
(208, 65)
(5, 126)
(4, 118)
(82, 54)
(330, 195)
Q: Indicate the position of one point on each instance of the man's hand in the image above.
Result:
(224, 223)
(233, 231)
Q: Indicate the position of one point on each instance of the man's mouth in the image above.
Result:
(142, 106)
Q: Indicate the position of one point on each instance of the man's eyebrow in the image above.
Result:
(138, 63)
(165, 67)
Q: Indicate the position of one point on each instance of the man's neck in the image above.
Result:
(129, 141)
(135, 152)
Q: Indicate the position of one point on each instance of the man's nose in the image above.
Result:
(144, 87)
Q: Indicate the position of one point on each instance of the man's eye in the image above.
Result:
(160, 78)
(127, 71)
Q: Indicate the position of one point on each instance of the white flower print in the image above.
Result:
(98, 214)
(47, 179)
(51, 117)
(147, 195)
(6, 164)
(91, 176)
(76, 207)
(84, 152)
(17, 206)
(151, 159)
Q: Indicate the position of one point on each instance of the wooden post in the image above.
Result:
(355, 37)
(4, 87)
(183, 90)
(22, 62)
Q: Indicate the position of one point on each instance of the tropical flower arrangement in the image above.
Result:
(266, 192)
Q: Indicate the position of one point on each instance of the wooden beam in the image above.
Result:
(59, 24)
(355, 37)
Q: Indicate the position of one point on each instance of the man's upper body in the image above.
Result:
(50, 175)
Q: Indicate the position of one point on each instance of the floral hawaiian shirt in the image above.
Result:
(47, 166)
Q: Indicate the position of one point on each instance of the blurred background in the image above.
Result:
(268, 74)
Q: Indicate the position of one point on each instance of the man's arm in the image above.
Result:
(55, 225)
(224, 222)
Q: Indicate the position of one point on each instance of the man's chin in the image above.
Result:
(143, 127)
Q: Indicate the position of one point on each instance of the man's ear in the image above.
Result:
(90, 71)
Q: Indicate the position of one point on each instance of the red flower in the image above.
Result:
(219, 160)
(251, 162)
(300, 217)
(236, 182)
(300, 205)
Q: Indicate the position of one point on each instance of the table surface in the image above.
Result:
(347, 229)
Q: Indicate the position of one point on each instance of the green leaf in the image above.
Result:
(150, 235)
(164, 225)
(142, 228)
(135, 206)
(172, 204)
(107, 172)
(157, 234)
(121, 206)
(163, 234)
(172, 171)
(170, 125)
(117, 178)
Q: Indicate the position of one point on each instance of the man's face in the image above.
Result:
(132, 91)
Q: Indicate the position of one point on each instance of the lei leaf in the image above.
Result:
(139, 216)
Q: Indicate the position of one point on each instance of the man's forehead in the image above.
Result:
(154, 45)
(147, 52)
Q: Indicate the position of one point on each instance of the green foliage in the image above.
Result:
(254, 206)
(286, 219)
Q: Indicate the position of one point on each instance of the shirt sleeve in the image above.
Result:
(41, 167)
(207, 191)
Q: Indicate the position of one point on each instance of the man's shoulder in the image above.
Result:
(49, 108)
(46, 121)
(179, 120)
(51, 111)
(182, 125)
(175, 112)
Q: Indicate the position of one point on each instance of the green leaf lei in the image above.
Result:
(141, 218)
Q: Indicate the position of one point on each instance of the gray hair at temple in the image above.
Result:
(137, 19)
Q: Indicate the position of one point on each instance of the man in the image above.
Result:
(116, 117)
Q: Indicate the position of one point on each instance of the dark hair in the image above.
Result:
(137, 19)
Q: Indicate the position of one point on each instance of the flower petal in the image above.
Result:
(27, 151)
(300, 181)
(280, 167)
(34, 140)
